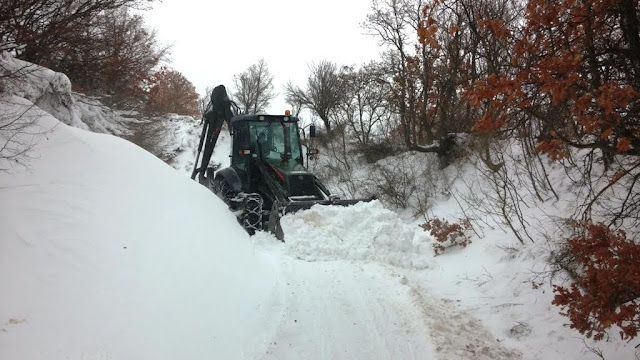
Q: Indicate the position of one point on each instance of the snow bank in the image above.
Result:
(51, 92)
(108, 253)
(364, 231)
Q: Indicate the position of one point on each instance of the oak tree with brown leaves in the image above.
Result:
(578, 75)
(606, 291)
(573, 88)
(171, 92)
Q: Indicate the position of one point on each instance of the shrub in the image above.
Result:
(408, 181)
(606, 290)
(375, 151)
(395, 183)
(447, 235)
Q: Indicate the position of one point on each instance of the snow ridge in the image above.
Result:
(364, 231)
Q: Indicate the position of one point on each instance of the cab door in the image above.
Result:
(240, 150)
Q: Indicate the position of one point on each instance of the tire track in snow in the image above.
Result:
(457, 334)
(341, 310)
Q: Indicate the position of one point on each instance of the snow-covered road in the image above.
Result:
(340, 310)
(359, 292)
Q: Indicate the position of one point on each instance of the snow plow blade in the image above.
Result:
(279, 209)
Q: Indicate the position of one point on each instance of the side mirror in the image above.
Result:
(312, 131)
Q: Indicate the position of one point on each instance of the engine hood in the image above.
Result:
(294, 178)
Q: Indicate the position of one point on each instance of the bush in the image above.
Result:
(408, 181)
(447, 235)
(395, 183)
(606, 290)
(375, 151)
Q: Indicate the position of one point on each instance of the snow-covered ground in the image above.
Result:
(181, 139)
(106, 252)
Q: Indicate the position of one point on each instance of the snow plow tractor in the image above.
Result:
(267, 177)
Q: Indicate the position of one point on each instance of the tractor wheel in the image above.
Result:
(252, 213)
(209, 182)
(221, 187)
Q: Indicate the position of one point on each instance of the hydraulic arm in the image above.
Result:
(219, 110)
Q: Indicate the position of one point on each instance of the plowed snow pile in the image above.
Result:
(364, 231)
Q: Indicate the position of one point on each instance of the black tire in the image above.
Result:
(252, 214)
(221, 187)
(208, 179)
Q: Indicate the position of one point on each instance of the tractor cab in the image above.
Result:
(270, 145)
(271, 138)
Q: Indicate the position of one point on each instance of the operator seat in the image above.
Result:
(262, 144)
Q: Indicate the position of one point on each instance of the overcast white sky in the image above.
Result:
(216, 39)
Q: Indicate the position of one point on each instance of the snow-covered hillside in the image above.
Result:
(106, 252)
(175, 138)
(51, 92)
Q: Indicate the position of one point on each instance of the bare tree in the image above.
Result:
(253, 88)
(123, 58)
(204, 100)
(430, 76)
(47, 29)
(391, 22)
(18, 133)
(365, 107)
(323, 93)
(296, 105)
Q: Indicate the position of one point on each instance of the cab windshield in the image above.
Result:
(274, 141)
